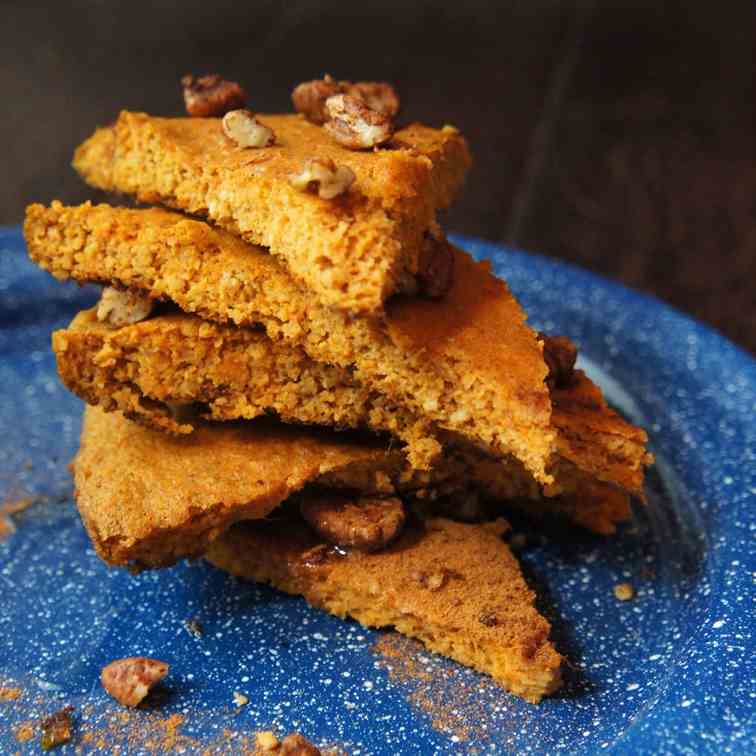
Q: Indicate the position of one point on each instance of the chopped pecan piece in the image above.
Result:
(377, 95)
(129, 680)
(366, 524)
(488, 619)
(56, 729)
(310, 97)
(435, 273)
(211, 95)
(324, 176)
(120, 308)
(436, 580)
(297, 745)
(240, 699)
(194, 628)
(242, 128)
(354, 125)
(559, 354)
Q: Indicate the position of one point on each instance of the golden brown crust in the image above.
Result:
(150, 499)
(467, 362)
(352, 252)
(455, 587)
(468, 328)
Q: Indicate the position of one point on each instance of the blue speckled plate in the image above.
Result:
(668, 672)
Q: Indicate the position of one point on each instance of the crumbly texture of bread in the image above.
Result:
(455, 587)
(140, 369)
(587, 424)
(352, 251)
(586, 502)
(467, 362)
(149, 499)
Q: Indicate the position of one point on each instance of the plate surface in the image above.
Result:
(668, 672)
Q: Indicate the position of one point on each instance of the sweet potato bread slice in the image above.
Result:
(149, 499)
(467, 362)
(143, 368)
(455, 587)
(352, 252)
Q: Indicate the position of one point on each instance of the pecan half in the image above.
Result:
(324, 176)
(309, 98)
(366, 524)
(354, 125)
(129, 680)
(560, 354)
(297, 745)
(242, 128)
(211, 95)
(119, 308)
(435, 273)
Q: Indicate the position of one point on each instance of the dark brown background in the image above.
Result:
(619, 136)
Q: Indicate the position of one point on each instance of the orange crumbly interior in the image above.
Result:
(236, 373)
(141, 369)
(467, 362)
(352, 252)
(455, 587)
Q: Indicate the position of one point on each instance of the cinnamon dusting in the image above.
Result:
(10, 694)
(452, 703)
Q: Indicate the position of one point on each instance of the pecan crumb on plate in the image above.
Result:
(56, 729)
(129, 680)
(624, 591)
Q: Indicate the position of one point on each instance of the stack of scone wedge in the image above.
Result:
(292, 372)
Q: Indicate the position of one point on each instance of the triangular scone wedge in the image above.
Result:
(149, 499)
(455, 587)
(144, 369)
(467, 362)
(352, 252)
